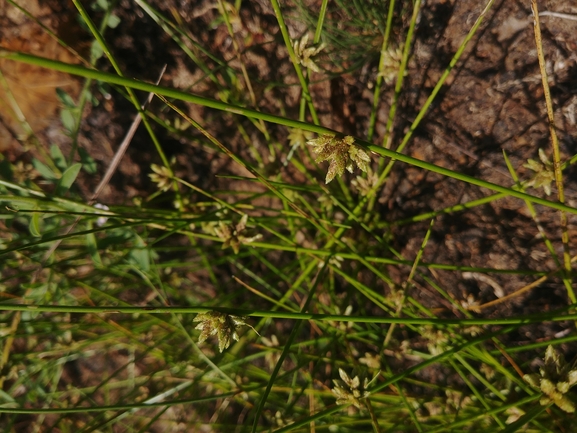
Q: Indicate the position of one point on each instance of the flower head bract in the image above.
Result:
(162, 177)
(544, 173)
(222, 325)
(350, 391)
(342, 153)
(305, 55)
(554, 381)
(234, 235)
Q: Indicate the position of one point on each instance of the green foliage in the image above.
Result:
(67, 179)
(44, 171)
(88, 163)
(69, 112)
(353, 30)
(111, 316)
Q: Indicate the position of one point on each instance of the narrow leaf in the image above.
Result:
(88, 163)
(34, 225)
(92, 246)
(67, 179)
(44, 170)
(68, 121)
(58, 157)
(65, 98)
(140, 255)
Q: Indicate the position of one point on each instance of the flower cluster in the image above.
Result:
(365, 185)
(350, 391)
(305, 55)
(341, 152)
(233, 235)
(544, 173)
(162, 177)
(438, 341)
(391, 62)
(222, 325)
(555, 380)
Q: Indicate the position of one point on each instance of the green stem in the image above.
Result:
(538, 318)
(118, 407)
(400, 78)
(195, 99)
(288, 43)
(98, 36)
(380, 77)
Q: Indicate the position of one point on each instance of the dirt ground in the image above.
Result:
(492, 102)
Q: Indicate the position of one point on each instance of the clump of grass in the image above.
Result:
(352, 31)
(131, 317)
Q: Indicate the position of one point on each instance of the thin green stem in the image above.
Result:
(556, 152)
(400, 78)
(532, 211)
(98, 36)
(320, 21)
(117, 407)
(286, 349)
(296, 63)
(385, 173)
(176, 94)
(380, 77)
(537, 318)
